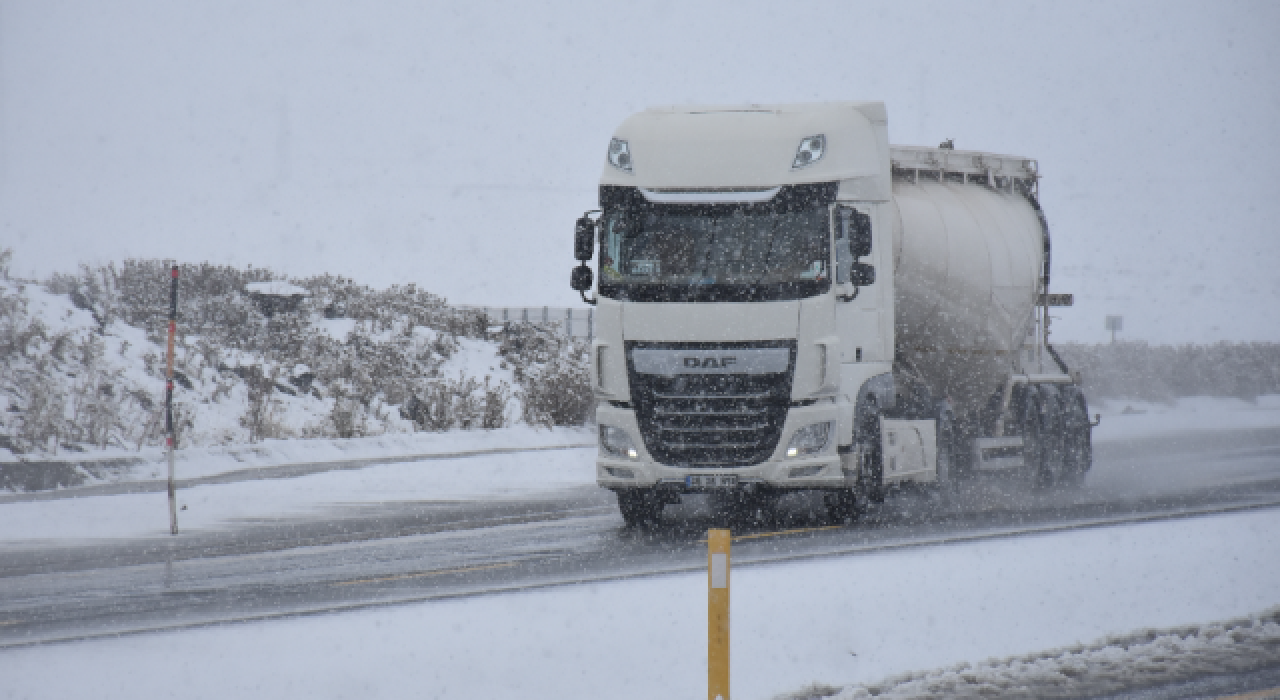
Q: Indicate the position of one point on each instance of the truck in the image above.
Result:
(786, 302)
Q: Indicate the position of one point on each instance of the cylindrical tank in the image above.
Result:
(967, 264)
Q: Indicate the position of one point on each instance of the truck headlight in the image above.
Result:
(810, 151)
(810, 439)
(620, 154)
(617, 443)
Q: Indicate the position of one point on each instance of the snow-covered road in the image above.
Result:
(834, 621)
(916, 586)
(71, 517)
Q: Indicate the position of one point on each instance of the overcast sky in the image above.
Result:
(453, 145)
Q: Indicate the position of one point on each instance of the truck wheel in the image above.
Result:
(1078, 450)
(744, 509)
(1033, 447)
(764, 508)
(949, 470)
(871, 471)
(871, 475)
(1055, 433)
(842, 506)
(639, 508)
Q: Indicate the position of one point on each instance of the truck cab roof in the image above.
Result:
(752, 148)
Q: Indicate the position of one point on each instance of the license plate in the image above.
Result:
(711, 481)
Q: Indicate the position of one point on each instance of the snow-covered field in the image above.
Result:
(214, 506)
(203, 462)
(834, 622)
(1123, 419)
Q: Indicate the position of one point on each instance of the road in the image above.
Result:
(361, 556)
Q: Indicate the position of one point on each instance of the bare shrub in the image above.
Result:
(262, 416)
(558, 392)
(496, 398)
(43, 418)
(444, 404)
(347, 418)
(392, 357)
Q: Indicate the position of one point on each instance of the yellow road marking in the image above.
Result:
(422, 574)
(788, 532)
(6, 623)
(1255, 695)
(781, 532)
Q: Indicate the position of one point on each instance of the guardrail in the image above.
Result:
(575, 323)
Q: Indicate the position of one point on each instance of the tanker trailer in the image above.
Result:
(786, 302)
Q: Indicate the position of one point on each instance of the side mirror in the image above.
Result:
(853, 240)
(857, 229)
(581, 279)
(862, 274)
(584, 240)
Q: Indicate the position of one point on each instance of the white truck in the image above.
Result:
(787, 302)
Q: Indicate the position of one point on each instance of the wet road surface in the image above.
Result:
(361, 556)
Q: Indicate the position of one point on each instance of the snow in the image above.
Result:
(200, 462)
(1117, 664)
(836, 621)
(336, 328)
(1124, 419)
(518, 475)
(276, 288)
(478, 358)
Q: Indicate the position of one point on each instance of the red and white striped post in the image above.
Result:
(168, 396)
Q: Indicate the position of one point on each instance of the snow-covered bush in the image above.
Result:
(344, 361)
(552, 371)
(558, 392)
(63, 383)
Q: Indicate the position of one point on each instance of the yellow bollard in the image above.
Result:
(717, 615)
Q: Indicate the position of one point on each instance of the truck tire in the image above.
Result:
(743, 509)
(871, 471)
(950, 472)
(1054, 433)
(639, 508)
(1033, 447)
(764, 508)
(842, 507)
(871, 480)
(1078, 449)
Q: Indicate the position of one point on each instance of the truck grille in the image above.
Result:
(711, 419)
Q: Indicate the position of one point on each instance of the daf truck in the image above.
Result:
(785, 301)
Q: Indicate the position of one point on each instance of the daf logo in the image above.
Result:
(710, 362)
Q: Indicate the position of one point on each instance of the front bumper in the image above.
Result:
(817, 471)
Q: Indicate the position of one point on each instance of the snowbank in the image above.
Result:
(220, 506)
(202, 462)
(1119, 663)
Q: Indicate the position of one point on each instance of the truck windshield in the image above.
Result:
(714, 253)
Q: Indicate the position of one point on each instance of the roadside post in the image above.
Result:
(717, 615)
(168, 396)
